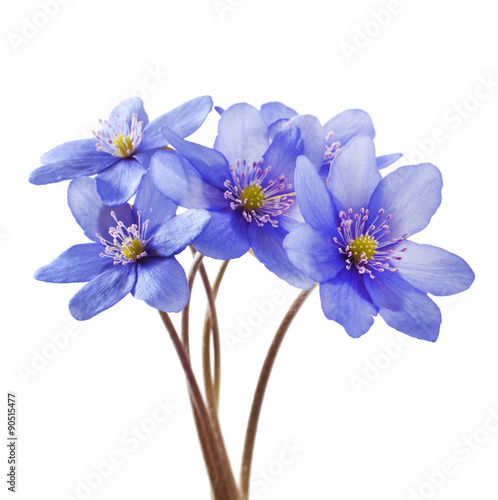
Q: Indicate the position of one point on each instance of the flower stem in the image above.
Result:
(221, 488)
(259, 394)
(208, 323)
(225, 467)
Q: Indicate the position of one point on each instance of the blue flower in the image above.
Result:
(245, 182)
(338, 131)
(354, 243)
(120, 153)
(133, 250)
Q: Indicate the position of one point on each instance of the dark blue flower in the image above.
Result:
(354, 243)
(120, 153)
(245, 182)
(133, 250)
(338, 131)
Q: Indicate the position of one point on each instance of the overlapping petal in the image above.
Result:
(104, 291)
(411, 194)
(346, 300)
(177, 179)
(434, 270)
(242, 134)
(90, 213)
(78, 264)
(162, 284)
(354, 175)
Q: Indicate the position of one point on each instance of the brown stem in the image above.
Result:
(259, 394)
(221, 488)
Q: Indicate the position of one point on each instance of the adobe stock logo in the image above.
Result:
(31, 26)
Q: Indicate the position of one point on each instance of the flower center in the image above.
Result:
(365, 244)
(128, 243)
(256, 201)
(363, 248)
(252, 197)
(122, 139)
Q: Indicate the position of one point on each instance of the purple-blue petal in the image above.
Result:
(403, 307)
(124, 111)
(276, 127)
(71, 168)
(104, 291)
(212, 165)
(315, 201)
(242, 134)
(349, 124)
(177, 179)
(313, 252)
(354, 175)
(434, 270)
(162, 284)
(152, 205)
(70, 150)
(273, 111)
(174, 235)
(117, 184)
(345, 300)
(387, 160)
(184, 120)
(90, 213)
(283, 152)
(267, 243)
(312, 137)
(77, 264)
(225, 237)
(411, 195)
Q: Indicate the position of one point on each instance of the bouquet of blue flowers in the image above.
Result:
(308, 201)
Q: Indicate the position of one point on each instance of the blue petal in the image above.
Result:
(354, 175)
(314, 253)
(313, 197)
(177, 179)
(242, 134)
(152, 205)
(117, 184)
(403, 307)
(312, 137)
(225, 237)
(125, 110)
(177, 233)
(103, 291)
(90, 213)
(349, 124)
(212, 165)
(72, 168)
(434, 270)
(276, 127)
(345, 300)
(219, 110)
(273, 111)
(283, 152)
(78, 264)
(411, 195)
(184, 120)
(267, 243)
(386, 160)
(70, 150)
(162, 284)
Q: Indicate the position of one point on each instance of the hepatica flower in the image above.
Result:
(338, 131)
(245, 182)
(354, 243)
(133, 250)
(120, 152)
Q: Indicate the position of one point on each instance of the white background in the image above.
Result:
(377, 440)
